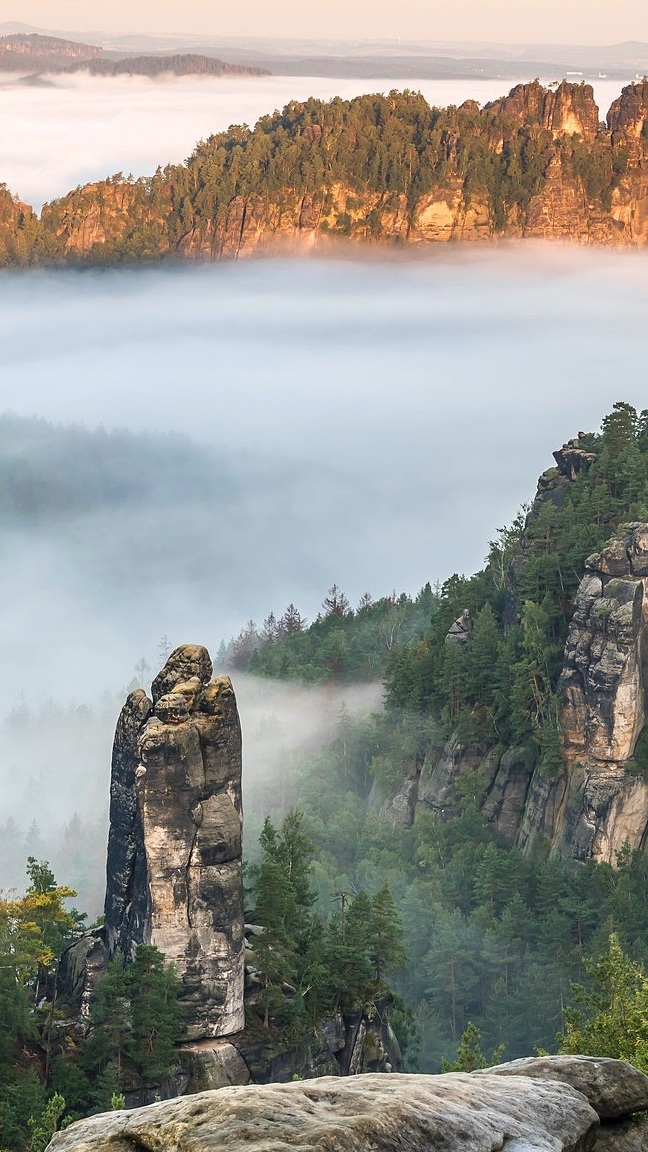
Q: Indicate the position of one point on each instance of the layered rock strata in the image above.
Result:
(174, 851)
(558, 1107)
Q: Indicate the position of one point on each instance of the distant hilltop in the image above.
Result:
(181, 64)
(23, 50)
(33, 52)
(390, 170)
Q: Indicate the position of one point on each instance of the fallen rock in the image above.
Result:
(371, 1113)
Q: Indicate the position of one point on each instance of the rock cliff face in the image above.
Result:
(568, 109)
(597, 803)
(18, 228)
(174, 851)
(561, 175)
(602, 694)
(564, 1104)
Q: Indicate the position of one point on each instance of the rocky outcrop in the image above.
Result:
(174, 880)
(602, 694)
(461, 631)
(572, 459)
(174, 851)
(19, 227)
(550, 1108)
(628, 117)
(568, 109)
(595, 805)
(589, 183)
(613, 1088)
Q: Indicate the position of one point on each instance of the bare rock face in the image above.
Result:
(174, 851)
(602, 694)
(371, 1113)
(570, 108)
(461, 631)
(628, 117)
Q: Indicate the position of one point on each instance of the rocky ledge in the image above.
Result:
(568, 1103)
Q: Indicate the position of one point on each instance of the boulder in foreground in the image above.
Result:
(373, 1113)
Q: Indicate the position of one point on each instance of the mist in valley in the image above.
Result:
(284, 425)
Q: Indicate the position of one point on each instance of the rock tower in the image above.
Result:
(602, 693)
(174, 852)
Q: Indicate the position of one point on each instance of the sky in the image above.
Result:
(532, 21)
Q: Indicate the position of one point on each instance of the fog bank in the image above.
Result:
(372, 424)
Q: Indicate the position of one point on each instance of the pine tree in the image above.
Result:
(610, 1017)
(469, 1054)
(385, 934)
(110, 1041)
(335, 603)
(156, 1024)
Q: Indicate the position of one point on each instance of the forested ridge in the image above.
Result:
(378, 167)
(490, 949)
(494, 936)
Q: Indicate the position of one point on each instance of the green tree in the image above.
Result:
(44, 1128)
(609, 1017)
(135, 1021)
(384, 935)
(469, 1054)
(156, 1020)
(110, 1041)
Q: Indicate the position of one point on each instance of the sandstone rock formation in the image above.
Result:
(550, 1108)
(174, 851)
(602, 694)
(568, 109)
(571, 459)
(590, 186)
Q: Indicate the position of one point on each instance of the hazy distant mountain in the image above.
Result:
(28, 50)
(389, 59)
(24, 51)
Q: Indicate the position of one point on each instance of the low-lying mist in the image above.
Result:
(370, 424)
(367, 423)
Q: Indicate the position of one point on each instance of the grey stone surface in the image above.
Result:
(624, 1136)
(371, 1113)
(602, 696)
(613, 1087)
(174, 853)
